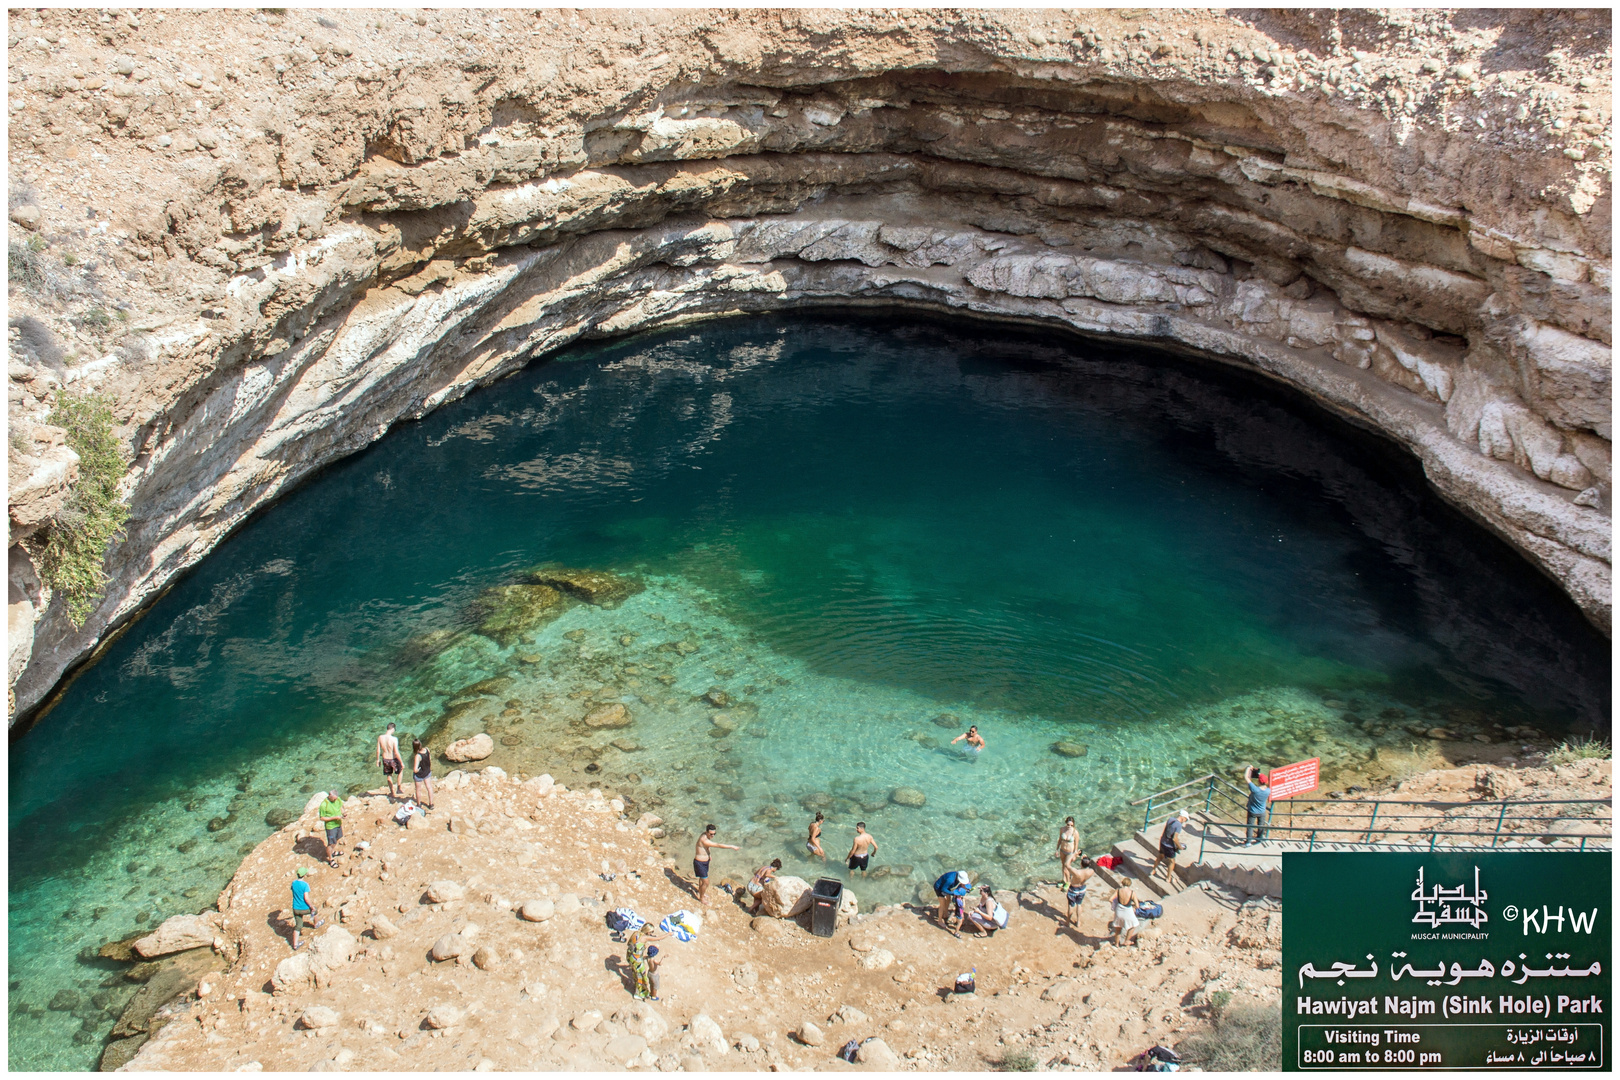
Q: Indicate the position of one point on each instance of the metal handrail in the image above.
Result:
(1389, 835)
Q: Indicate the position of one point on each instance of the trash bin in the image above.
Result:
(824, 900)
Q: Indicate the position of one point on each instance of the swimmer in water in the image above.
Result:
(975, 741)
(813, 841)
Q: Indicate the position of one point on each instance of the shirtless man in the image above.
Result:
(862, 850)
(1075, 881)
(1068, 844)
(700, 860)
(813, 841)
(392, 766)
(975, 741)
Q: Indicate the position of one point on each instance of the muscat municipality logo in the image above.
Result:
(1441, 906)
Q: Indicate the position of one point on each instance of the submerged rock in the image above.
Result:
(613, 715)
(493, 687)
(908, 796)
(506, 612)
(1065, 748)
(476, 748)
(592, 586)
(717, 697)
(280, 816)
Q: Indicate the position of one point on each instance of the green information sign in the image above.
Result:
(1446, 960)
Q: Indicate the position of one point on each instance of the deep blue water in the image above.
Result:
(866, 523)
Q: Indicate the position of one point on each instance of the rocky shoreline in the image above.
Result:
(475, 939)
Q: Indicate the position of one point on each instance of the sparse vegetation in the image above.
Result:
(95, 318)
(75, 546)
(1219, 1000)
(1018, 1061)
(23, 267)
(1570, 751)
(1245, 1038)
(69, 259)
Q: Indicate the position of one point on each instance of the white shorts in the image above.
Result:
(1125, 917)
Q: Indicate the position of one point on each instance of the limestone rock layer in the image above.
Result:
(269, 235)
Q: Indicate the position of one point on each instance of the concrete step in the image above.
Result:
(1151, 845)
(1138, 861)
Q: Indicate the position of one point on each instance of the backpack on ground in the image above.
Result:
(1149, 910)
(849, 1051)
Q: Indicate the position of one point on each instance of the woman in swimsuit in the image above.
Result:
(421, 772)
(813, 841)
(1125, 922)
(975, 741)
(762, 877)
(1068, 842)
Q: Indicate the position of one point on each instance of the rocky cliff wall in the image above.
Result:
(268, 237)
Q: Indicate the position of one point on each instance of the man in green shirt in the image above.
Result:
(332, 820)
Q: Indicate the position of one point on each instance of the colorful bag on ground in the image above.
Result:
(1149, 910)
(624, 920)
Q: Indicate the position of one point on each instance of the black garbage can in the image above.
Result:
(824, 900)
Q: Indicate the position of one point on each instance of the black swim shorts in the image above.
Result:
(858, 862)
(392, 766)
(701, 869)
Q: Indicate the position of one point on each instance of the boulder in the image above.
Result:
(449, 947)
(848, 1014)
(316, 1017)
(537, 910)
(810, 1035)
(705, 1036)
(539, 785)
(476, 748)
(1065, 748)
(877, 960)
(506, 612)
(320, 957)
(442, 892)
(27, 215)
(382, 929)
(440, 1017)
(717, 697)
(567, 904)
(587, 1020)
(625, 1047)
(592, 586)
(876, 1053)
(180, 932)
(486, 958)
(611, 715)
(908, 796)
(785, 896)
(494, 772)
(417, 821)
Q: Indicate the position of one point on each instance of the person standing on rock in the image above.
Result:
(1259, 807)
(862, 849)
(392, 766)
(302, 908)
(813, 840)
(421, 772)
(700, 860)
(1171, 844)
(331, 812)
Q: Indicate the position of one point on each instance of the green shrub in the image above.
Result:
(1219, 1000)
(1018, 1061)
(71, 561)
(1247, 1038)
(1579, 749)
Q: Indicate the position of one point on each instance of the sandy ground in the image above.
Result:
(555, 994)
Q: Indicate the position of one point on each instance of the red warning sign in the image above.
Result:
(1296, 779)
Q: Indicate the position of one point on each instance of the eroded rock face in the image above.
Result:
(382, 215)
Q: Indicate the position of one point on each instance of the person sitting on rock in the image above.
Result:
(762, 877)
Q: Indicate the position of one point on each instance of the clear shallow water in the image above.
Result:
(853, 527)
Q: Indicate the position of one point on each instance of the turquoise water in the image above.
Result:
(869, 534)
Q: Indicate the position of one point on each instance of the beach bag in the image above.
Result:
(999, 915)
(1149, 910)
(404, 814)
(965, 982)
(624, 920)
